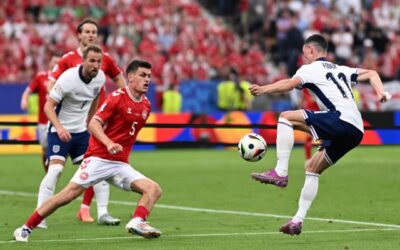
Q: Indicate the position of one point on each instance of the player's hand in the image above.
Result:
(64, 135)
(385, 97)
(256, 90)
(114, 148)
(24, 104)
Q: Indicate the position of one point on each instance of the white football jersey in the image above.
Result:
(331, 84)
(74, 98)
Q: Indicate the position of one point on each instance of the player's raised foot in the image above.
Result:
(143, 229)
(21, 234)
(107, 219)
(271, 177)
(84, 215)
(42, 224)
(292, 228)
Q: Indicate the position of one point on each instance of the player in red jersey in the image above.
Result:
(39, 85)
(114, 129)
(87, 34)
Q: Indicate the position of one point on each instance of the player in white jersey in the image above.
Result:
(339, 124)
(71, 103)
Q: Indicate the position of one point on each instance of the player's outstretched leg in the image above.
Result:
(271, 177)
(151, 192)
(284, 145)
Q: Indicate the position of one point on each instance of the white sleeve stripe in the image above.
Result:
(55, 98)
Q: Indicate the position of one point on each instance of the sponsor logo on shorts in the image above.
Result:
(56, 148)
(83, 175)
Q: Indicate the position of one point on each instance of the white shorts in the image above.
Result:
(94, 170)
(42, 135)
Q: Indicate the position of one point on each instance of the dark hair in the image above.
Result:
(91, 47)
(319, 42)
(135, 64)
(85, 21)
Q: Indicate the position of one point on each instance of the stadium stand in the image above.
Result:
(188, 40)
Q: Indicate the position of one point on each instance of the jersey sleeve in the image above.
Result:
(34, 84)
(61, 88)
(108, 108)
(59, 68)
(111, 69)
(304, 73)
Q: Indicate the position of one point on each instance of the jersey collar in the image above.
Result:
(86, 81)
(321, 59)
(131, 96)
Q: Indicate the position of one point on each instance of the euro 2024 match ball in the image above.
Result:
(252, 147)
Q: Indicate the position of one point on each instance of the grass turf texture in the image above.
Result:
(210, 202)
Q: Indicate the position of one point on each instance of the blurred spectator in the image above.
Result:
(172, 100)
(234, 94)
(178, 35)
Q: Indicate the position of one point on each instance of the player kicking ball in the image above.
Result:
(339, 125)
(113, 129)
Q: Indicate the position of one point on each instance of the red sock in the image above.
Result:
(34, 220)
(88, 196)
(141, 212)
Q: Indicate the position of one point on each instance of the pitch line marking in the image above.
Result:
(205, 235)
(216, 211)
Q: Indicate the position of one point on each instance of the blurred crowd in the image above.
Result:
(260, 39)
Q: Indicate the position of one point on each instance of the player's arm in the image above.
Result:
(49, 110)
(277, 87)
(25, 98)
(50, 84)
(120, 81)
(92, 109)
(96, 129)
(373, 78)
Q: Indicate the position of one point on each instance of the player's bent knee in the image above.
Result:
(285, 114)
(157, 191)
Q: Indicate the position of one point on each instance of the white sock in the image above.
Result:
(49, 182)
(102, 192)
(284, 145)
(308, 194)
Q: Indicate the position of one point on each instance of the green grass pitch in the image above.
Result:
(210, 202)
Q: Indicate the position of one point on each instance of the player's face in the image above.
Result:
(307, 53)
(88, 34)
(140, 80)
(92, 64)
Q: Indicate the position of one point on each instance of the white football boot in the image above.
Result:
(21, 234)
(139, 227)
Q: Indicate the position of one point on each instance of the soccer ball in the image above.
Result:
(252, 147)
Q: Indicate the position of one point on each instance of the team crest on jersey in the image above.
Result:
(145, 114)
(129, 111)
(56, 148)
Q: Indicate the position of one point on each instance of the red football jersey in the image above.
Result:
(74, 58)
(39, 85)
(123, 117)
